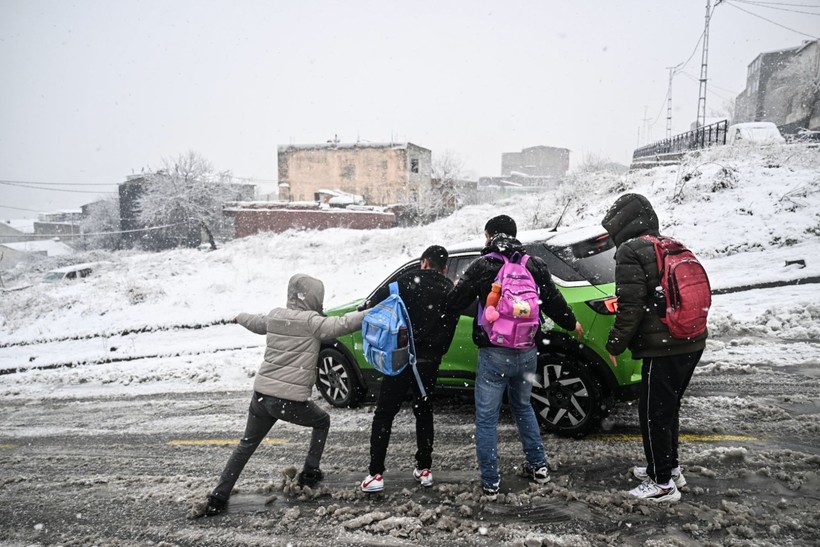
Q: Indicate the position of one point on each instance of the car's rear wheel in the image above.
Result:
(337, 380)
(566, 395)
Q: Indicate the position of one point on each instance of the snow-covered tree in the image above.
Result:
(186, 192)
(102, 225)
(445, 194)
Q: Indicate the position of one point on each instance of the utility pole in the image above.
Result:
(701, 120)
(671, 70)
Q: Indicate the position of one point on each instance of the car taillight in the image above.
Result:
(604, 306)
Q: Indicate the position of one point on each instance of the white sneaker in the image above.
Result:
(677, 475)
(373, 483)
(424, 476)
(652, 491)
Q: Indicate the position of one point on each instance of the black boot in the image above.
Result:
(310, 477)
(215, 506)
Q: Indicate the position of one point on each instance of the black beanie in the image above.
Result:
(502, 224)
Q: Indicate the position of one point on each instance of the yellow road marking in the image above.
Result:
(219, 442)
(8, 446)
(684, 437)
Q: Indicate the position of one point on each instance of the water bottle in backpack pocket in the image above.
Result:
(518, 311)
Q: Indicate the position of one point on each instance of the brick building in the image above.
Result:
(383, 173)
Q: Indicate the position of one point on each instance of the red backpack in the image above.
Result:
(685, 285)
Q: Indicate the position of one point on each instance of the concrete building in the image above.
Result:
(781, 88)
(537, 161)
(383, 173)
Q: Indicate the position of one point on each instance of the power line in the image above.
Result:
(19, 209)
(770, 21)
(773, 5)
(60, 183)
(32, 187)
(781, 4)
(712, 88)
(51, 236)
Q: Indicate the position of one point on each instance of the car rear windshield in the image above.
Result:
(590, 260)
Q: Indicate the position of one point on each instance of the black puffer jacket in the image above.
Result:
(424, 292)
(478, 279)
(637, 325)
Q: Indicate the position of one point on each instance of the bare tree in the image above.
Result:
(186, 192)
(447, 172)
(101, 228)
(596, 163)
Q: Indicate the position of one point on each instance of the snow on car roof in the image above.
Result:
(75, 267)
(562, 238)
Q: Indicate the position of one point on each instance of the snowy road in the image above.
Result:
(125, 470)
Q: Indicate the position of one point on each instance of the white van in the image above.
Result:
(754, 133)
(75, 271)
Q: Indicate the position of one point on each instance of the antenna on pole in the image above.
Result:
(701, 120)
(671, 70)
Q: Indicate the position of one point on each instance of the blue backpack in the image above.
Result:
(381, 331)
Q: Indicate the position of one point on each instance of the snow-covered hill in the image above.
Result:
(745, 211)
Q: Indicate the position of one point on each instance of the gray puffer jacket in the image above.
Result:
(294, 336)
(637, 325)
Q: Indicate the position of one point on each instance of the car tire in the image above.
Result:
(337, 379)
(566, 395)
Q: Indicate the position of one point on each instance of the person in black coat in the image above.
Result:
(424, 293)
(503, 370)
(668, 362)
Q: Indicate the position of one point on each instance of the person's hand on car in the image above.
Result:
(579, 330)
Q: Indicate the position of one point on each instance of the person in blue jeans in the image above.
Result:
(502, 369)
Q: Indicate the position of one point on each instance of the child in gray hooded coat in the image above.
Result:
(285, 379)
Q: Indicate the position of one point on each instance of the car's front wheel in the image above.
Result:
(566, 395)
(337, 380)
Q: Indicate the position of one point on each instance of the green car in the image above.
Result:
(575, 386)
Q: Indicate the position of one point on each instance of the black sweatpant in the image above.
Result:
(664, 379)
(264, 411)
(391, 396)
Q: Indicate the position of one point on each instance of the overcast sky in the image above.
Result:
(93, 91)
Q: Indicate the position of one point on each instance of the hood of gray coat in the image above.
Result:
(629, 217)
(305, 293)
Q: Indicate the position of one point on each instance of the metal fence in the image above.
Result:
(702, 137)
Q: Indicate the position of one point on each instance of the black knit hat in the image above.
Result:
(502, 224)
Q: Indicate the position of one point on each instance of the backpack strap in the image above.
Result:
(394, 289)
(498, 256)
(656, 245)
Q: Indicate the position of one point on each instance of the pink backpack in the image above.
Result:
(519, 314)
(685, 286)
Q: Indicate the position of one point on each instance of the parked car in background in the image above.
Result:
(68, 273)
(575, 384)
(754, 133)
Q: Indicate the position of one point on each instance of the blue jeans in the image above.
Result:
(512, 370)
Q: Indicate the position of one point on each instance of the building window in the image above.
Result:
(414, 165)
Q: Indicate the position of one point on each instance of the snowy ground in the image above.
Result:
(103, 379)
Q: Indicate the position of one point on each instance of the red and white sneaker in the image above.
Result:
(652, 491)
(424, 476)
(373, 483)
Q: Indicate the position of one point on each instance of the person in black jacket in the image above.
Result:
(503, 369)
(424, 292)
(668, 363)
